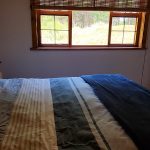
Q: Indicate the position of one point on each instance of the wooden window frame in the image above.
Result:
(140, 36)
(54, 13)
(137, 15)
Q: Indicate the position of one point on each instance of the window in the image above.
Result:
(64, 28)
(90, 28)
(124, 28)
(54, 28)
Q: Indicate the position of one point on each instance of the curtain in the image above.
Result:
(122, 5)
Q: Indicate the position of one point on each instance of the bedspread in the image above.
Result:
(56, 114)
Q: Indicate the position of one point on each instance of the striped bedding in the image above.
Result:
(56, 114)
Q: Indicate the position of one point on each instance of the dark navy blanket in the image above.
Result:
(128, 102)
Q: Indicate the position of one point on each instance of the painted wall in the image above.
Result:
(19, 61)
(146, 75)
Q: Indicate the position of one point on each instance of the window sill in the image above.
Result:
(85, 48)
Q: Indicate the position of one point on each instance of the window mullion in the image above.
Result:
(123, 31)
(54, 29)
(70, 28)
(110, 28)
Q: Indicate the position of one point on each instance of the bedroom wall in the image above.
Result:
(19, 61)
(146, 73)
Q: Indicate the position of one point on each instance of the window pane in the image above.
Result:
(90, 28)
(61, 37)
(129, 38)
(117, 23)
(61, 22)
(130, 24)
(47, 37)
(123, 30)
(116, 37)
(47, 22)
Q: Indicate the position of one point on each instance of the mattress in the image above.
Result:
(58, 114)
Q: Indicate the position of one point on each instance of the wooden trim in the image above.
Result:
(39, 28)
(142, 30)
(138, 29)
(125, 14)
(129, 15)
(145, 30)
(122, 45)
(70, 29)
(54, 45)
(36, 35)
(85, 48)
(34, 29)
(52, 12)
(55, 13)
(110, 29)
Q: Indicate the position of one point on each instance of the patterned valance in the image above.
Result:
(123, 5)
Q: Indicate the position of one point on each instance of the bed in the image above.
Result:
(91, 112)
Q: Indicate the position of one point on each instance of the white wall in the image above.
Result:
(19, 61)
